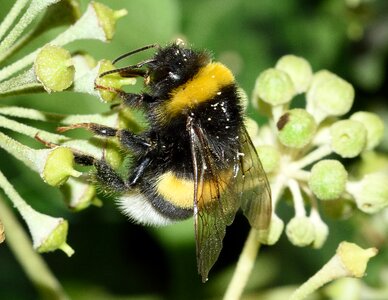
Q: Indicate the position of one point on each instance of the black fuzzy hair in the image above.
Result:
(172, 66)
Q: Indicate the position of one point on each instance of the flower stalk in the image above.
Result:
(32, 263)
(244, 266)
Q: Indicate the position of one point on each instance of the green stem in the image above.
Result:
(17, 45)
(11, 16)
(297, 197)
(109, 119)
(330, 271)
(32, 11)
(20, 151)
(20, 64)
(22, 82)
(30, 113)
(251, 248)
(311, 157)
(31, 131)
(244, 267)
(32, 263)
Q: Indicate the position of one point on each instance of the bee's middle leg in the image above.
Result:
(129, 140)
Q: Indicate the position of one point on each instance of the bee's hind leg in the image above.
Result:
(105, 174)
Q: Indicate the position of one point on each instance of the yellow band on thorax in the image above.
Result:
(201, 88)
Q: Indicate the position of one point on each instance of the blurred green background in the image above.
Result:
(115, 259)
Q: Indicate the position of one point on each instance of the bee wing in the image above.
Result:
(219, 193)
(252, 185)
(214, 206)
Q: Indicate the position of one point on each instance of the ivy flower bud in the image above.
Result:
(298, 69)
(296, 128)
(270, 157)
(371, 192)
(328, 179)
(354, 258)
(371, 161)
(374, 127)
(57, 165)
(108, 17)
(348, 138)
(48, 233)
(54, 68)
(300, 231)
(113, 81)
(78, 194)
(274, 232)
(56, 239)
(274, 87)
(329, 95)
(54, 165)
(349, 261)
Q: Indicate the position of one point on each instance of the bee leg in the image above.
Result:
(134, 142)
(128, 139)
(93, 127)
(135, 100)
(138, 171)
(83, 159)
(44, 142)
(105, 174)
(129, 99)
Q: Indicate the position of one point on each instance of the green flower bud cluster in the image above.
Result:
(52, 68)
(294, 147)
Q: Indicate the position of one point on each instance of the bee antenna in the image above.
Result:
(135, 51)
(129, 71)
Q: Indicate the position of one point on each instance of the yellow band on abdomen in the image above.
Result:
(180, 191)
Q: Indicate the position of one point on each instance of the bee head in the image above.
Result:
(172, 66)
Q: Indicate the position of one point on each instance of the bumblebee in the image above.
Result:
(195, 159)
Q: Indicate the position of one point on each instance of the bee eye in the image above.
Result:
(160, 73)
